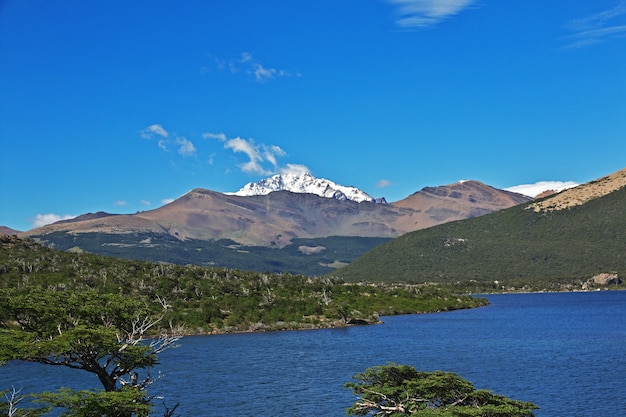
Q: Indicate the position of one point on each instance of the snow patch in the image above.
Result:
(299, 181)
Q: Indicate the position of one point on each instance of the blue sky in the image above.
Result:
(120, 106)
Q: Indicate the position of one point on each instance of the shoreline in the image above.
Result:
(380, 322)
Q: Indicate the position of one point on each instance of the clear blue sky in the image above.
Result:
(121, 105)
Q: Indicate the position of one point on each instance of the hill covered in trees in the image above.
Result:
(546, 245)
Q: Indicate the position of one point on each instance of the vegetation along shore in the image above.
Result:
(209, 300)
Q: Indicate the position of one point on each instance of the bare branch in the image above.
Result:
(13, 398)
(163, 303)
(169, 412)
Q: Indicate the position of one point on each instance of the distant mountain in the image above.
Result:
(87, 216)
(461, 200)
(8, 231)
(571, 236)
(305, 183)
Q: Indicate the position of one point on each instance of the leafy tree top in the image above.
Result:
(104, 334)
(400, 390)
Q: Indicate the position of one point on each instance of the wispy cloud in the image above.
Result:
(219, 136)
(184, 146)
(424, 13)
(152, 130)
(245, 63)
(49, 218)
(120, 203)
(262, 159)
(258, 158)
(383, 184)
(258, 155)
(533, 190)
(295, 169)
(597, 28)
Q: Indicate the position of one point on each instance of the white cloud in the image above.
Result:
(263, 74)
(295, 169)
(261, 158)
(383, 183)
(272, 152)
(120, 203)
(422, 13)
(158, 131)
(245, 63)
(152, 130)
(185, 147)
(532, 190)
(245, 57)
(599, 27)
(258, 155)
(167, 200)
(49, 218)
(146, 203)
(219, 136)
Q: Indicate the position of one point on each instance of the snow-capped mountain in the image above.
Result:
(306, 183)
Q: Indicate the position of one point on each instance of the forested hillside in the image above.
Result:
(517, 247)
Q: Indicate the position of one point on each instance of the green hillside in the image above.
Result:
(209, 299)
(516, 247)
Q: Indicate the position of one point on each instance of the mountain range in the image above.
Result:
(461, 232)
(281, 224)
(275, 218)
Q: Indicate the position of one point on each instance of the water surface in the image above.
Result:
(566, 352)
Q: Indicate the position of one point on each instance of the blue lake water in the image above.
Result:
(566, 352)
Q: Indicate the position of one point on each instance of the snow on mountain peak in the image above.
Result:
(303, 182)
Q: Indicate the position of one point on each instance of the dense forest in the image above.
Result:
(209, 299)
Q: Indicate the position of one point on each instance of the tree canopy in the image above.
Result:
(208, 299)
(400, 390)
(104, 334)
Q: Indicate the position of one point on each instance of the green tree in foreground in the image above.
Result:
(400, 390)
(104, 334)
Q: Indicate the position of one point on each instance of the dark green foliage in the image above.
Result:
(220, 253)
(517, 247)
(401, 390)
(103, 334)
(127, 401)
(207, 299)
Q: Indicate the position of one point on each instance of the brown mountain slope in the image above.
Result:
(276, 218)
(8, 231)
(458, 201)
(583, 193)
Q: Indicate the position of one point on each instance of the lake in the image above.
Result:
(566, 352)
